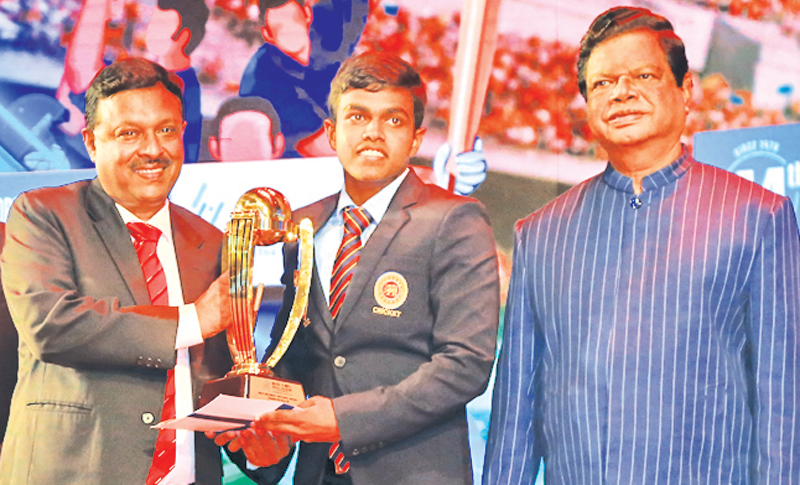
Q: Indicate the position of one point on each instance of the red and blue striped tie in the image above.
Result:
(145, 241)
(356, 220)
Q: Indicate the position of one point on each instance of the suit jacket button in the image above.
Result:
(356, 453)
(339, 361)
(148, 418)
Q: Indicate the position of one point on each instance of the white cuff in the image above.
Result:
(189, 332)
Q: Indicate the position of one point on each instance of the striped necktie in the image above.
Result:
(356, 220)
(145, 241)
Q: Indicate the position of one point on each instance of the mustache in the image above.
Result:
(624, 112)
(149, 162)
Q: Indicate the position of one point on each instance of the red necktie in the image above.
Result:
(145, 241)
(356, 220)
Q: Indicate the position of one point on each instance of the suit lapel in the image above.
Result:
(395, 218)
(117, 240)
(187, 242)
(319, 213)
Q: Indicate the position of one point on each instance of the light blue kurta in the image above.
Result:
(652, 345)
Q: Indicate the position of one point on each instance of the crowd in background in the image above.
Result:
(785, 13)
(37, 25)
(533, 100)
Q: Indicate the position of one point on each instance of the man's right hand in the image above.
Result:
(214, 307)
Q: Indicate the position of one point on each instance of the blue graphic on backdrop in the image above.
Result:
(295, 72)
(769, 156)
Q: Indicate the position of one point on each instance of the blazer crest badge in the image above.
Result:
(391, 291)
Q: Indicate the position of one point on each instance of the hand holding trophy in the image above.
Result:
(262, 217)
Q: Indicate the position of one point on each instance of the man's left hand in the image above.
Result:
(313, 420)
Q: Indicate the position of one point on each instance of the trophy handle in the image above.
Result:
(262, 217)
(302, 285)
(241, 235)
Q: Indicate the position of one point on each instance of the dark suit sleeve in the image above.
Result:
(8, 355)
(51, 260)
(464, 299)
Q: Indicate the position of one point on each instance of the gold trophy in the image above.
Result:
(262, 217)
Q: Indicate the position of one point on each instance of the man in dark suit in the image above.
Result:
(8, 354)
(394, 358)
(96, 341)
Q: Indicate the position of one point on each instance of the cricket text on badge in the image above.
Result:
(391, 291)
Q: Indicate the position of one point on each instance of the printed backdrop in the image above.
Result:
(256, 91)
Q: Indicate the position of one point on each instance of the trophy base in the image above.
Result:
(254, 387)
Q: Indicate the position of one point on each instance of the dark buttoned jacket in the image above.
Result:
(93, 353)
(401, 375)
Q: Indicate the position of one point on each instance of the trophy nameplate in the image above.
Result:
(254, 387)
(261, 217)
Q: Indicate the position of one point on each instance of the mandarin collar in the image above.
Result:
(656, 180)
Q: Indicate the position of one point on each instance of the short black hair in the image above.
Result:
(246, 103)
(374, 71)
(193, 15)
(126, 75)
(620, 20)
(264, 5)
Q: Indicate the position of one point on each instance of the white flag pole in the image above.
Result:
(477, 40)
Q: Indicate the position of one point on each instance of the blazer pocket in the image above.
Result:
(59, 407)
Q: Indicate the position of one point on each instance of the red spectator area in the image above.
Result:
(533, 99)
(780, 11)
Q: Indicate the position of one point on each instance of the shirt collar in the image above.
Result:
(378, 204)
(661, 178)
(160, 219)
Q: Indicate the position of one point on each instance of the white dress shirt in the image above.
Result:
(189, 334)
(329, 237)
